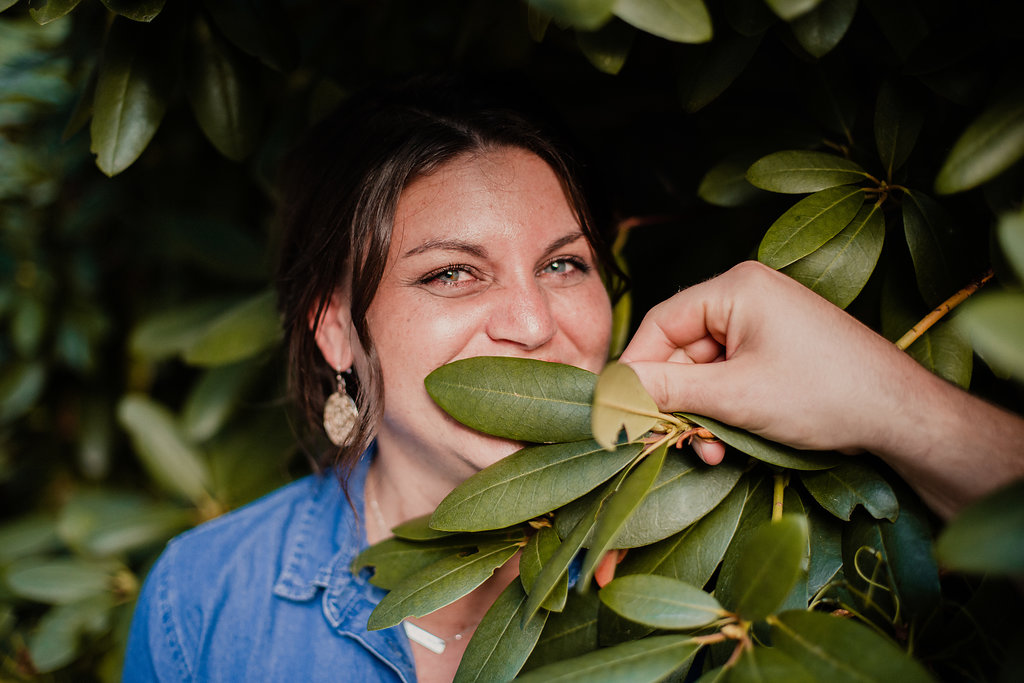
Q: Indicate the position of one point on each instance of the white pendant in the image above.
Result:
(424, 638)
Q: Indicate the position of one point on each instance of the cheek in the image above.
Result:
(588, 324)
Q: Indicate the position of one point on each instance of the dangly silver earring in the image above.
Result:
(340, 414)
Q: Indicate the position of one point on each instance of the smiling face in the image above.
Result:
(486, 259)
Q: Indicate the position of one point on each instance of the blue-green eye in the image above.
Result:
(565, 266)
(450, 275)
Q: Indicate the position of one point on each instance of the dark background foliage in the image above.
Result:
(141, 386)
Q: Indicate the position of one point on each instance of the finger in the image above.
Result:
(694, 387)
(672, 324)
(711, 452)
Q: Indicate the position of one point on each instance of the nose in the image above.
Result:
(522, 316)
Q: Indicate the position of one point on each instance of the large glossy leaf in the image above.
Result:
(621, 402)
(693, 554)
(440, 584)
(584, 14)
(799, 171)
(255, 27)
(986, 536)
(841, 489)
(621, 505)
(213, 399)
(569, 633)
(841, 650)
(840, 268)
(929, 231)
(809, 224)
(60, 581)
(608, 47)
(516, 398)
(763, 664)
(239, 333)
(991, 144)
(995, 323)
(757, 511)
(132, 92)
(528, 483)
(898, 122)
(396, 559)
(169, 332)
(791, 9)
(772, 558)
(685, 491)
(501, 643)
(765, 450)
(650, 659)
(684, 21)
(826, 541)
(172, 462)
(821, 29)
(221, 85)
(136, 10)
(49, 10)
(541, 548)
(661, 602)
(419, 529)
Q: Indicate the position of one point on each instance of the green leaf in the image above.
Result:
(726, 184)
(1011, 239)
(396, 559)
(166, 333)
(985, 537)
(990, 145)
(650, 659)
(28, 326)
(256, 28)
(619, 507)
(440, 584)
(799, 171)
(7, 4)
(685, 491)
(841, 489)
(723, 60)
(569, 633)
(826, 541)
(995, 323)
(48, 10)
(809, 224)
(528, 483)
(221, 86)
(683, 21)
(903, 24)
(765, 450)
(621, 402)
(29, 535)
(821, 29)
(214, 398)
(501, 644)
(21, 384)
(760, 664)
(169, 458)
(538, 552)
(693, 554)
(419, 529)
(898, 122)
(582, 14)
(749, 17)
(771, 559)
(791, 9)
(841, 650)
(516, 398)
(840, 268)
(929, 232)
(108, 523)
(660, 602)
(136, 10)
(608, 47)
(132, 92)
(56, 641)
(60, 582)
(239, 333)
(537, 22)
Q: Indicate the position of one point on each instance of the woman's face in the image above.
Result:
(486, 259)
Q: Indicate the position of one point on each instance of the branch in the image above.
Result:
(942, 309)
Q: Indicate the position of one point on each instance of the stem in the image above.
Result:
(942, 309)
(777, 496)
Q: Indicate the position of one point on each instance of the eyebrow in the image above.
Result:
(478, 250)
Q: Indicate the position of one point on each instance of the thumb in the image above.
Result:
(687, 387)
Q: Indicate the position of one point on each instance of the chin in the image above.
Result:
(482, 450)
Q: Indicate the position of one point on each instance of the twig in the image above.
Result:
(942, 309)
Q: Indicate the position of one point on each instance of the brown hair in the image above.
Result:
(340, 187)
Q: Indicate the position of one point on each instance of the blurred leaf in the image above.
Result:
(929, 231)
(992, 143)
(568, 633)
(7, 4)
(622, 314)
(28, 326)
(82, 112)
(248, 457)
(749, 17)
(841, 489)
(528, 483)
(20, 387)
(726, 185)
(132, 91)
(903, 24)
(841, 650)
(650, 659)
(60, 581)
(256, 28)
(239, 333)
(898, 122)
(798, 171)
(821, 29)
(607, 47)
(538, 551)
(791, 9)
(500, 644)
(163, 450)
(516, 398)
(995, 323)
(723, 61)
(55, 642)
(772, 558)
(169, 332)
(29, 535)
(986, 537)
(840, 268)
(214, 398)
(1011, 239)
(661, 602)
(621, 402)
(685, 490)
(809, 224)
(618, 508)
(765, 450)
(583, 14)
(537, 23)
(683, 21)
(222, 88)
(760, 664)
(440, 584)
(107, 523)
(48, 10)
(136, 10)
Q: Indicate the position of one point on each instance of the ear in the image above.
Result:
(335, 335)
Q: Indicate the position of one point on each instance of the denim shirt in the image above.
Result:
(265, 593)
